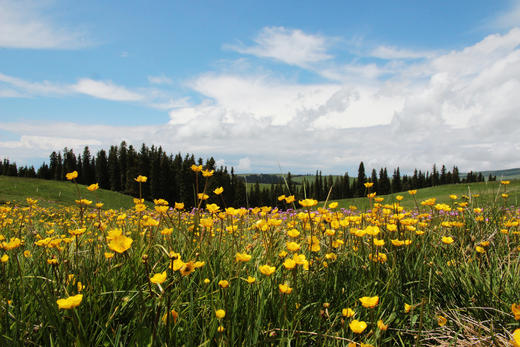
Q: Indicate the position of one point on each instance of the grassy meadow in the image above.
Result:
(421, 269)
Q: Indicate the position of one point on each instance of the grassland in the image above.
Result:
(447, 274)
(52, 193)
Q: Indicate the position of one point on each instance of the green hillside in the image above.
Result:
(488, 191)
(47, 192)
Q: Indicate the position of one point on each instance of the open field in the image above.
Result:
(52, 193)
(487, 193)
(164, 276)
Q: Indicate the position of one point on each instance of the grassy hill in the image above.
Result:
(48, 192)
(488, 191)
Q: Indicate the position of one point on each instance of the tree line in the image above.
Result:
(170, 177)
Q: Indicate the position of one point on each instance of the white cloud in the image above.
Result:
(507, 19)
(160, 80)
(291, 46)
(23, 25)
(458, 108)
(388, 52)
(244, 165)
(105, 90)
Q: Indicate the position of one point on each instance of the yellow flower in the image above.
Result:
(516, 338)
(378, 242)
(218, 191)
(70, 302)
(118, 242)
(202, 196)
(207, 173)
(290, 199)
(12, 244)
(212, 208)
(292, 246)
(179, 205)
(348, 312)
(293, 233)
(196, 168)
(399, 197)
(284, 288)
(369, 184)
(220, 314)
(77, 232)
(109, 255)
(223, 283)
(412, 192)
(242, 257)
(141, 179)
(93, 187)
(221, 329)
(441, 321)
(357, 326)
(177, 264)
(407, 308)
(505, 182)
(369, 301)
(167, 231)
(4, 258)
(267, 270)
(381, 325)
(158, 278)
(71, 175)
(187, 268)
(515, 308)
(480, 249)
(308, 202)
(333, 205)
(250, 279)
(447, 240)
(289, 264)
(174, 314)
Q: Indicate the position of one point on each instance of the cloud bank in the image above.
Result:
(412, 109)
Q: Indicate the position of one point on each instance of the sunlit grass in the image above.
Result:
(393, 272)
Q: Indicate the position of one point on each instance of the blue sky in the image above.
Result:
(259, 85)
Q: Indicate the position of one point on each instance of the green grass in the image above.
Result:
(487, 191)
(51, 193)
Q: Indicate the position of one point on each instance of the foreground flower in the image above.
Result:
(516, 338)
(447, 240)
(158, 278)
(141, 179)
(407, 308)
(218, 191)
(220, 314)
(308, 202)
(93, 187)
(285, 289)
(369, 301)
(441, 321)
(267, 270)
(515, 308)
(357, 326)
(348, 312)
(242, 257)
(118, 242)
(382, 326)
(70, 302)
(223, 283)
(71, 175)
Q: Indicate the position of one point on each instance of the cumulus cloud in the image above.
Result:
(23, 25)
(291, 46)
(458, 108)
